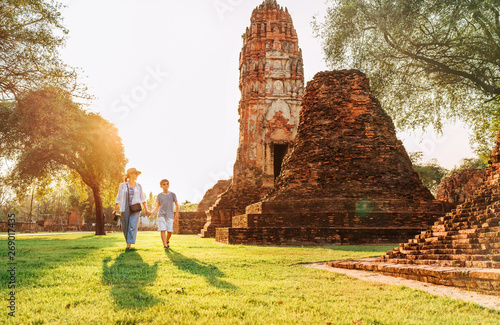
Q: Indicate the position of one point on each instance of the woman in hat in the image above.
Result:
(129, 199)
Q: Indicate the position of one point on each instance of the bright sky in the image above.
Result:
(166, 74)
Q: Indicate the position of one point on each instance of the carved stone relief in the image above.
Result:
(277, 65)
(281, 106)
(278, 87)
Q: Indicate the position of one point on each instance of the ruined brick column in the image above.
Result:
(348, 179)
(272, 86)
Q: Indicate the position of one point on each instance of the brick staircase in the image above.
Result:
(461, 249)
(215, 219)
(468, 236)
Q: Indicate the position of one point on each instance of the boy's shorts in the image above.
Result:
(165, 224)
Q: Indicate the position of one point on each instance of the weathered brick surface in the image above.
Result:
(212, 194)
(460, 186)
(347, 147)
(467, 240)
(189, 222)
(272, 86)
(470, 278)
(347, 173)
(312, 235)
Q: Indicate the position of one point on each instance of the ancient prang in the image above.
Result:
(272, 86)
(461, 249)
(347, 180)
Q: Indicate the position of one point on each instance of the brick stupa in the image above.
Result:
(347, 180)
(461, 249)
(272, 86)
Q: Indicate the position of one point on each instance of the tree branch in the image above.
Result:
(444, 68)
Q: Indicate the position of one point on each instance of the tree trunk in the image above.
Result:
(99, 212)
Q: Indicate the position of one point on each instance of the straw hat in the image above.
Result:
(133, 170)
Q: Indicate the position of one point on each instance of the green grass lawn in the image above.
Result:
(84, 279)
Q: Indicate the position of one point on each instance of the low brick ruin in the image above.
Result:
(347, 180)
(271, 85)
(461, 249)
(188, 223)
(212, 194)
(458, 187)
(197, 220)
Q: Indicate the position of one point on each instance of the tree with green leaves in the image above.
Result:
(46, 135)
(187, 206)
(468, 163)
(430, 173)
(31, 33)
(429, 61)
(6, 201)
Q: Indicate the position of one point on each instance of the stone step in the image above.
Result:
(466, 218)
(452, 246)
(461, 236)
(444, 263)
(456, 257)
(451, 251)
(462, 239)
(488, 240)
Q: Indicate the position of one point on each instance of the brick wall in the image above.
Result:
(190, 222)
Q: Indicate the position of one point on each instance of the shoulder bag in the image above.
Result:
(133, 207)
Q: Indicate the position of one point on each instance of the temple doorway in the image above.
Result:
(279, 153)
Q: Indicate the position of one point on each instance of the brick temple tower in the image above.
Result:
(272, 86)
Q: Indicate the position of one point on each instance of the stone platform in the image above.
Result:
(486, 280)
(307, 236)
(328, 221)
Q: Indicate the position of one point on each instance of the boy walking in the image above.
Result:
(165, 204)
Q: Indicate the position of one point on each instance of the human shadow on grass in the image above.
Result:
(39, 256)
(128, 275)
(210, 272)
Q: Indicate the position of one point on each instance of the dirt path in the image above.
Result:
(492, 302)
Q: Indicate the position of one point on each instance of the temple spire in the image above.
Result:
(272, 86)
